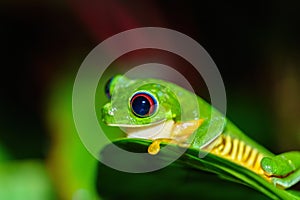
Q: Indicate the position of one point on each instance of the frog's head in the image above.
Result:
(138, 103)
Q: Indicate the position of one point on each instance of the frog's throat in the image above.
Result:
(136, 125)
(179, 131)
(153, 131)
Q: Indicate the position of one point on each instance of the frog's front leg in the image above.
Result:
(180, 132)
(283, 169)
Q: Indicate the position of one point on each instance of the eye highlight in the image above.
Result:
(143, 104)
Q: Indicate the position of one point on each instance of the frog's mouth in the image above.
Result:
(161, 129)
(136, 125)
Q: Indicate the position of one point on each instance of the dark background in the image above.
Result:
(256, 46)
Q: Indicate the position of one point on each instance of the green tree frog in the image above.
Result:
(152, 109)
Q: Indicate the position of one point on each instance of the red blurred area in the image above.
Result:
(106, 18)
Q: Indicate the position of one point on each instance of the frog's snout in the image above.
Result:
(107, 113)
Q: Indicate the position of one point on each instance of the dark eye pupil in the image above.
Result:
(141, 106)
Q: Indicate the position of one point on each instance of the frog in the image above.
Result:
(164, 112)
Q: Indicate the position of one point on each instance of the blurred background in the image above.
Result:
(256, 47)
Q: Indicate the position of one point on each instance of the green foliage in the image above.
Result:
(189, 177)
(25, 180)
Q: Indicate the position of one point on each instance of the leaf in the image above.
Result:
(188, 177)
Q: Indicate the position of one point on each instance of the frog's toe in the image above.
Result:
(154, 148)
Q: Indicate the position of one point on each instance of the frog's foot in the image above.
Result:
(281, 165)
(283, 169)
(154, 148)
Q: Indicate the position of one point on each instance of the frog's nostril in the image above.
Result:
(110, 112)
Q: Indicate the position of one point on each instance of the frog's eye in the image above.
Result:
(143, 104)
(107, 88)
